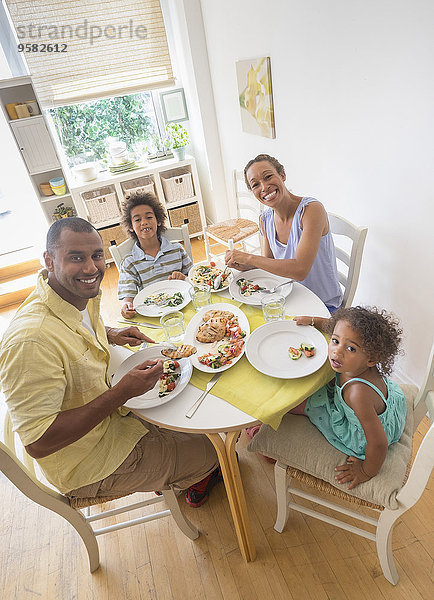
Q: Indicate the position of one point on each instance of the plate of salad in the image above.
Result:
(176, 374)
(231, 328)
(208, 274)
(162, 296)
(248, 286)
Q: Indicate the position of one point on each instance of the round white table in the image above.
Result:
(215, 416)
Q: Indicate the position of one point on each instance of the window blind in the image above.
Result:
(79, 50)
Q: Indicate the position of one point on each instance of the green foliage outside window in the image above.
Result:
(84, 128)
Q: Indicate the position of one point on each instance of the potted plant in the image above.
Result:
(177, 139)
(62, 212)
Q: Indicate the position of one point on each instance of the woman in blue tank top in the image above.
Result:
(298, 241)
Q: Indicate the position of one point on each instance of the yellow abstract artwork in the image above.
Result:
(255, 96)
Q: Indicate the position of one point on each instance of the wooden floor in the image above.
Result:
(41, 556)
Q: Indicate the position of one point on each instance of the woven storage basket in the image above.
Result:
(112, 236)
(177, 185)
(178, 216)
(142, 184)
(101, 204)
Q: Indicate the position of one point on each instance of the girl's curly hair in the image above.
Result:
(138, 198)
(263, 158)
(379, 330)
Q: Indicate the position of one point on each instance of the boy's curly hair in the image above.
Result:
(264, 158)
(137, 198)
(379, 330)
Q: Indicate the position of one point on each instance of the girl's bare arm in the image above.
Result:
(361, 398)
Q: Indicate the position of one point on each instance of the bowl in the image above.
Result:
(60, 191)
(57, 182)
(85, 171)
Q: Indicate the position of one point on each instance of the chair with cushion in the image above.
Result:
(243, 229)
(23, 474)
(173, 234)
(303, 454)
(350, 256)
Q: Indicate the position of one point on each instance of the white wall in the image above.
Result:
(353, 92)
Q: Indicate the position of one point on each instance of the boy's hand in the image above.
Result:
(352, 472)
(177, 275)
(127, 311)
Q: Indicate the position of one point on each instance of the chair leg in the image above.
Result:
(180, 519)
(207, 248)
(385, 525)
(280, 479)
(231, 244)
(85, 531)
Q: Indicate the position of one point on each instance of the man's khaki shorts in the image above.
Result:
(161, 458)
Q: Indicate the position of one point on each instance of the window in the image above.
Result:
(83, 129)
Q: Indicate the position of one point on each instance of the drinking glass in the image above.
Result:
(200, 297)
(173, 326)
(273, 307)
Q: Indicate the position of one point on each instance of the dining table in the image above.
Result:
(219, 417)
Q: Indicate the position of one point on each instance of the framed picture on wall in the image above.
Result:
(255, 96)
(173, 106)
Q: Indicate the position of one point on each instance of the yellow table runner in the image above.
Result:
(263, 397)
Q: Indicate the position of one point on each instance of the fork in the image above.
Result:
(273, 289)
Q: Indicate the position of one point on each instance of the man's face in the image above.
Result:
(76, 269)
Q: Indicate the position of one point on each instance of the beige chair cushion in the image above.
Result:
(235, 229)
(299, 444)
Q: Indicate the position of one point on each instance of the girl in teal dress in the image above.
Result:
(360, 412)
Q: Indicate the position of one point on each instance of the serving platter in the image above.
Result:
(204, 348)
(198, 281)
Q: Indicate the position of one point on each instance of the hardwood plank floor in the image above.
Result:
(41, 556)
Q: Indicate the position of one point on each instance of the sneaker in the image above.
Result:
(197, 494)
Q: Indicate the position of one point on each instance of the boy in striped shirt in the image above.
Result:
(152, 258)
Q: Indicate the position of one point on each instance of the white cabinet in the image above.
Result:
(35, 144)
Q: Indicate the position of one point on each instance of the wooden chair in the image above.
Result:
(24, 476)
(243, 229)
(303, 454)
(356, 238)
(173, 234)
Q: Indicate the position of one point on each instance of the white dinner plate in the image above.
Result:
(151, 398)
(193, 326)
(169, 286)
(263, 279)
(221, 266)
(267, 349)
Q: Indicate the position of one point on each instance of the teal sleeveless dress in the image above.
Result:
(328, 411)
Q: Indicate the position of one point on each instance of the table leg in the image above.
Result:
(235, 492)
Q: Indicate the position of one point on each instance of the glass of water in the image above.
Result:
(273, 307)
(173, 326)
(200, 297)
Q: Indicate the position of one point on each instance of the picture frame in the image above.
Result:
(173, 106)
(255, 96)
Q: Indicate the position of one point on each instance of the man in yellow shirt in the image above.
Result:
(53, 369)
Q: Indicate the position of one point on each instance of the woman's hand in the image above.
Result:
(127, 335)
(352, 472)
(177, 275)
(238, 260)
(127, 310)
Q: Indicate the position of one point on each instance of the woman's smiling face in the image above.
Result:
(266, 183)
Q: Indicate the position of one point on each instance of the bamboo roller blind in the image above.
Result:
(113, 47)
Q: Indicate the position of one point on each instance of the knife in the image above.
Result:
(151, 325)
(211, 383)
